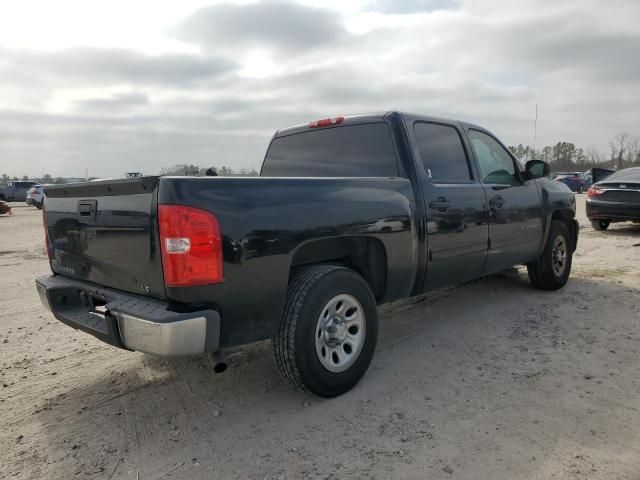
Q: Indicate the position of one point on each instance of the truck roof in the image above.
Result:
(370, 118)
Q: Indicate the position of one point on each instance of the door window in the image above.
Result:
(442, 153)
(496, 165)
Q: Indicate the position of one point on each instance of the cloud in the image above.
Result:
(100, 66)
(411, 6)
(114, 103)
(279, 24)
(488, 62)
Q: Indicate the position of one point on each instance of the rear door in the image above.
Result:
(457, 216)
(515, 207)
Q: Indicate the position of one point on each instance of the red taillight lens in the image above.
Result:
(191, 246)
(326, 122)
(46, 236)
(594, 192)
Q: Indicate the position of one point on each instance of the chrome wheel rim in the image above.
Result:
(340, 333)
(559, 255)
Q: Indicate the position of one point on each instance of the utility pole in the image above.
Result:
(535, 129)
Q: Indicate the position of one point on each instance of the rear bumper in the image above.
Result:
(129, 321)
(597, 209)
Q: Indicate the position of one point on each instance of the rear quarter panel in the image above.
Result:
(264, 221)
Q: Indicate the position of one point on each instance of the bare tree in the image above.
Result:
(619, 146)
(633, 150)
(593, 156)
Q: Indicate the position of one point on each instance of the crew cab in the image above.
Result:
(347, 213)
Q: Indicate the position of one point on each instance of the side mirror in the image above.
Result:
(537, 169)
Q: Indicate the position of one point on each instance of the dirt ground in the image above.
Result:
(490, 380)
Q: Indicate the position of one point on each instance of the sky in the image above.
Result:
(140, 85)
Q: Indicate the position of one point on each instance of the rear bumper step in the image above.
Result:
(129, 321)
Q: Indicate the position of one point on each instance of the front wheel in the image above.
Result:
(328, 331)
(551, 270)
(600, 225)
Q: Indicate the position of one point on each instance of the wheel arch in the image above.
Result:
(366, 255)
(567, 216)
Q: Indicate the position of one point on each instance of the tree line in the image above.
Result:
(624, 151)
(46, 178)
(196, 171)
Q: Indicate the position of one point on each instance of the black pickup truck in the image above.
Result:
(348, 213)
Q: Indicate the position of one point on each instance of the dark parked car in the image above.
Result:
(577, 181)
(347, 213)
(16, 191)
(615, 199)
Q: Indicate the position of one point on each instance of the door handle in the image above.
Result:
(496, 201)
(87, 208)
(441, 204)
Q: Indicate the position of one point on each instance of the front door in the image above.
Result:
(515, 207)
(457, 215)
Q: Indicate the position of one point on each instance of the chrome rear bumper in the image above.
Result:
(129, 321)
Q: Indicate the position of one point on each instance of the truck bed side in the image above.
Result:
(271, 225)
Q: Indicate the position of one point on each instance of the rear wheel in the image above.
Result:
(580, 188)
(328, 331)
(600, 225)
(551, 270)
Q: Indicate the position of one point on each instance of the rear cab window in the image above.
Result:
(363, 150)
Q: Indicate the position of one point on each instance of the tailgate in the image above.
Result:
(105, 232)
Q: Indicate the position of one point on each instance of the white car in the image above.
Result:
(35, 196)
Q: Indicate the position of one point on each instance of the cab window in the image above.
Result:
(495, 163)
(364, 150)
(442, 153)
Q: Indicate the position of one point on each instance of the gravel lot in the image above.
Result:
(490, 380)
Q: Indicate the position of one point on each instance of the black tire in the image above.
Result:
(541, 271)
(600, 225)
(294, 345)
(580, 189)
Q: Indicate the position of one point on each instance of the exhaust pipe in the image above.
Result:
(218, 361)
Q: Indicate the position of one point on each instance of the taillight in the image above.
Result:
(326, 122)
(46, 236)
(594, 192)
(191, 246)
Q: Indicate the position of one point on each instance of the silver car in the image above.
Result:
(35, 196)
